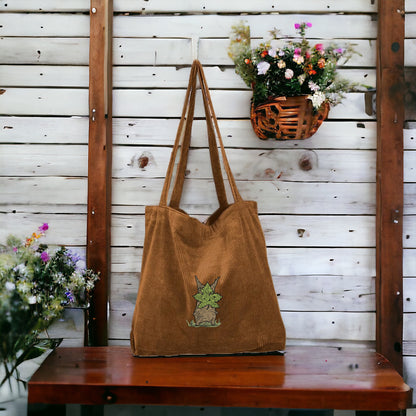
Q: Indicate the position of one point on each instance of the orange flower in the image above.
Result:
(312, 72)
(321, 63)
(264, 53)
(247, 61)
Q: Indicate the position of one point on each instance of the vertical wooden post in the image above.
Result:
(390, 120)
(99, 164)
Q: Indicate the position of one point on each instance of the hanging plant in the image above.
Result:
(280, 69)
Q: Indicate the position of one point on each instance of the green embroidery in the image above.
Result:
(206, 302)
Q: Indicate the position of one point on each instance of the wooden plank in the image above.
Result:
(100, 164)
(145, 51)
(409, 298)
(161, 131)
(38, 191)
(44, 101)
(248, 164)
(234, 6)
(295, 293)
(147, 103)
(68, 130)
(279, 230)
(409, 371)
(228, 104)
(302, 378)
(195, 6)
(172, 51)
(68, 230)
(131, 195)
(390, 119)
(352, 326)
(44, 6)
(43, 76)
(174, 77)
(239, 134)
(41, 24)
(283, 261)
(330, 26)
(56, 51)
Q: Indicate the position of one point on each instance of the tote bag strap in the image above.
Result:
(183, 139)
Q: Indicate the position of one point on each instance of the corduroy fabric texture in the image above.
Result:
(205, 288)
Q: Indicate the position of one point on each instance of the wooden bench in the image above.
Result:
(304, 378)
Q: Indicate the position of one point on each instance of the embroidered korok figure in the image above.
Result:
(205, 313)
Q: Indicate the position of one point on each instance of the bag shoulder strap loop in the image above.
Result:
(183, 140)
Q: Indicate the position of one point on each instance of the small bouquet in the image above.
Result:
(36, 284)
(289, 68)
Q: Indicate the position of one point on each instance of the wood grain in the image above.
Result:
(100, 165)
(302, 378)
(390, 119)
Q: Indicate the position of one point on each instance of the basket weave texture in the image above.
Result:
(287, 118)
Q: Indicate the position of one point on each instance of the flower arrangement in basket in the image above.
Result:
(293, 82)
(36, 283)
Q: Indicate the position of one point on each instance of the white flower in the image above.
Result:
(281, 64)
(262, 67)
(272, 52)
(32, 300)
(318, 98)
(10, 286)
(289, 73)
(301, 78)
(312, 86)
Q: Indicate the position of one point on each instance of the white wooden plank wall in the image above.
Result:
(44, 71)
(319, 224)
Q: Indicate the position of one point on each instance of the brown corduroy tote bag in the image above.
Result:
(205, 288)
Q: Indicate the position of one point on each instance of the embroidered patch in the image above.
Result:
(205, 313)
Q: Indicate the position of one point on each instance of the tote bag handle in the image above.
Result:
(183, 140)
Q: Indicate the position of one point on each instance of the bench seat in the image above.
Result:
(305, 377)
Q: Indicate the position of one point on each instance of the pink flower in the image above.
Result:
(309, 24)
(298, 51)
(45, 257)
(15, 249)
(44, 227)
(297, 26)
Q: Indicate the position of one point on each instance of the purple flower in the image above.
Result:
(44, 227)
(297, 26)
(74, 257)
(15, 249)
(309, 24)
(70, 296)
(44, 256)
(339, 50)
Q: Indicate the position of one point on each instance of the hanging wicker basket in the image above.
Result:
(287, 118)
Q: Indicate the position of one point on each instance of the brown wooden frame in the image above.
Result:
(389, 238)
(390, 119)
(100, 164)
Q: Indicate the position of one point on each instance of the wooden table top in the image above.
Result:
(305, 377)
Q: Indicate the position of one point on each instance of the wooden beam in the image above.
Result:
(99, 164)
(390, 121)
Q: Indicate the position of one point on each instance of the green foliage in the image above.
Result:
(291, 67)
(207, 297)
